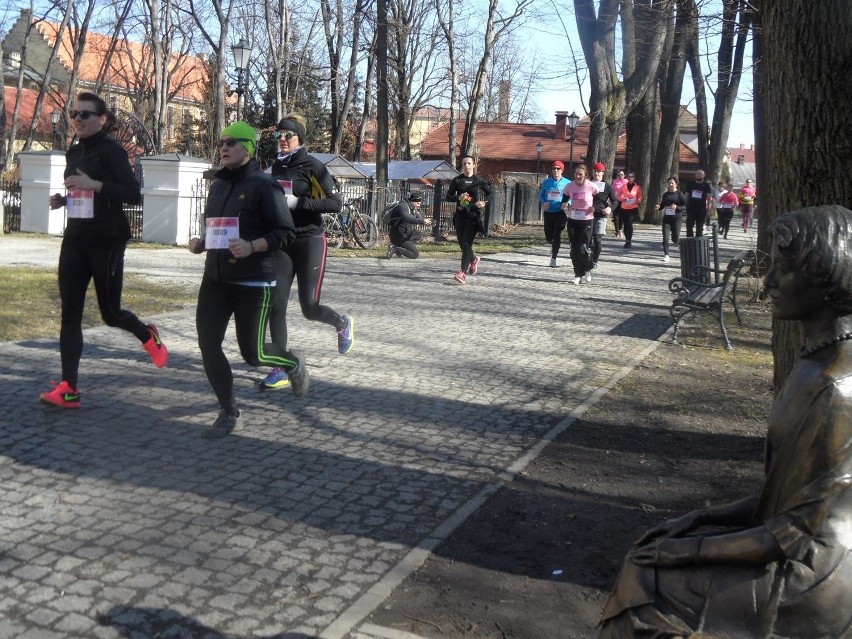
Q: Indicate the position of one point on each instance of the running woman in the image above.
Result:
(630, 196)
(672, 204)
(550, 199)
(470, 193)
(311, 191)
(246, 220)
(98, 180)
(605, 201)
(578, 203)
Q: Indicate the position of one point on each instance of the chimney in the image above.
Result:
(561, 125)
(503, 106)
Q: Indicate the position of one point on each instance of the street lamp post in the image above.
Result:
(573, 119)
(242, 53)
(538, 149)
(54, 120)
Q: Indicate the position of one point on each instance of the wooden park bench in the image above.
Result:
(694, 296)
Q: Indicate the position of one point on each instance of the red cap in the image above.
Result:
(599, 166)
(558, 165)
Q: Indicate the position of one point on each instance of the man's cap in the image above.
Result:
(243, 132)
(599, 166)
(558, 165)
(415, 196)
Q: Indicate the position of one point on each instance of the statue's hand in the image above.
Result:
(676, 527)
(667, 552)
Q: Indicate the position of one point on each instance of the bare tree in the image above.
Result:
(611, 97)
(414, 44)
(343, 79)
(447, 24)
(670, 91)
(497, 25)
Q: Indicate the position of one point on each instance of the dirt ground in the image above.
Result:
(537, 561)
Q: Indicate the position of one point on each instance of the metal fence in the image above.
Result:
(10, 198)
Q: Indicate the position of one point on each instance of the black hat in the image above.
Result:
(415, 196)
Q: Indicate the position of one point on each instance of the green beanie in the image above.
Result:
(242, 131)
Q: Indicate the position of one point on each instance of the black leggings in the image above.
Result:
(407, 245)
(466, 229)
(628, 216)
(725, 217)
(79, 263)
(307, 257)
(580, 236)
(554, 223)
(671, 227)
(250, 306)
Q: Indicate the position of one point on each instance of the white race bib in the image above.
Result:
(631, 200)
(80, 204)
(287, 185)
(578, 215)
(554, 195)
(220, 230)
(671, 210)
(697, 195)
(727, 205)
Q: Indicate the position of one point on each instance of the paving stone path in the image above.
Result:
(119, 520)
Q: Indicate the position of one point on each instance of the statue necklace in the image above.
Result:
(807, 352)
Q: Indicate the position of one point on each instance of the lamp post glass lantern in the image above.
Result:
(573, 120)
(242, 53)
(538, 149)
(54, 120)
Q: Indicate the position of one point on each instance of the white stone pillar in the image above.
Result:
(41, 176)
(170, 183)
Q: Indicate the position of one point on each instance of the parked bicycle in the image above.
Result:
(350, 224)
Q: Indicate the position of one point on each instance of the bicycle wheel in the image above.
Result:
(333, 231)
(365, 231)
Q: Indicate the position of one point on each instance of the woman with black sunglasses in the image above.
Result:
(98, 181)
(311, 191)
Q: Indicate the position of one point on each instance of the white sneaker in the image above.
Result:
(577, 280)
(552, 262)
(666, 258)
(588, 277)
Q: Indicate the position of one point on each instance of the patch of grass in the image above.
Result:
(31, 306)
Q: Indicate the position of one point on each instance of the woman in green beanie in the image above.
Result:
(247, 222)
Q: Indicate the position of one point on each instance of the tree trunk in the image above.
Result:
(802, 120)
(671, 89)
(736, 22)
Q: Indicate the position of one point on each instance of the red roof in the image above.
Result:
(129, 64)
(747, 153)
(26, 110)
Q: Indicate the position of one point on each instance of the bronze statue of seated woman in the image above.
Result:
(777, 563)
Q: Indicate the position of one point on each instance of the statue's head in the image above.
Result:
(811, 246)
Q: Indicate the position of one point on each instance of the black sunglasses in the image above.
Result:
(230, 142)
(83, 115)
(283, 134)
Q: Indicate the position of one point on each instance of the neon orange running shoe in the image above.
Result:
(156, 349)
(62, 395)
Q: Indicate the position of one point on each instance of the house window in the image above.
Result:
(740, 159)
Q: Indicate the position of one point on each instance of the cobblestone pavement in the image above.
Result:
(119, 520)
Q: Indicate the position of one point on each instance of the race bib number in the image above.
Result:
(671, 210)
(631, 200)
(220, 230)
(554, 195)
(287, 186)
(697, 195)
(80, 204)
(578, 215)
(726, 205)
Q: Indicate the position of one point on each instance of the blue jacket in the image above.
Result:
(557, 186)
